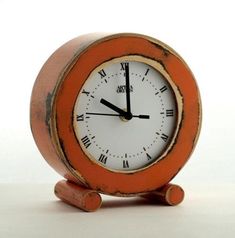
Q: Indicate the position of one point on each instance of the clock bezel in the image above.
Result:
(157, 174)
(177, 98)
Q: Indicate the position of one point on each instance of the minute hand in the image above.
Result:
(128, 100)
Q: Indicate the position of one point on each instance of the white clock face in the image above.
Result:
(123, 129)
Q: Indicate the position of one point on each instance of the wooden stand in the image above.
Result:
(90, 200)
(169, 194)
(73, 194)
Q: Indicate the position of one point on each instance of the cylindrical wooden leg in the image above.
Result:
(169, 194)
(83, 198)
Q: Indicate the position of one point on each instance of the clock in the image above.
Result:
(117, 114)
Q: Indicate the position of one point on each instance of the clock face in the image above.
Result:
(125, 115)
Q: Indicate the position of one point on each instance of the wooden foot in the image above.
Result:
(73, 194)
(169, 194)
(90, 200)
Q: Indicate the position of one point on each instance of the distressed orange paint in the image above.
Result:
(53, 99)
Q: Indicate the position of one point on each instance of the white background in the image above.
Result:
(202, 32)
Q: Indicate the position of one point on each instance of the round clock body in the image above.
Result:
(119, 114)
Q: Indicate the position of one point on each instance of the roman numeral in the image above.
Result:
(86, 141)
(163, 89)
(170, 113)
(85, 92)
(125, 164)
(146, 72)
(123, 65)
(148, 156)
(102, 73)
(164, 137)
(80, 117)
(103, 158)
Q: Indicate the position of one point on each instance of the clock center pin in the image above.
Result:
(126, 117)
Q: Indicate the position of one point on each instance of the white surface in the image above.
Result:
(31, 211)
(122, 142)
(202, 32)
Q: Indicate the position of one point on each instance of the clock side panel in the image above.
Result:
(43, 93)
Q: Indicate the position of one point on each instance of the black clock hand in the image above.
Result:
(117, 115)
(103, 114)
(123, 113)
(142, 116)
(128, 101)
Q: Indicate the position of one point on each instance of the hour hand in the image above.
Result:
(123, 113)
(113, 107)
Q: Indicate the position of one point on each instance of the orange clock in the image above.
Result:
(118, 114)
